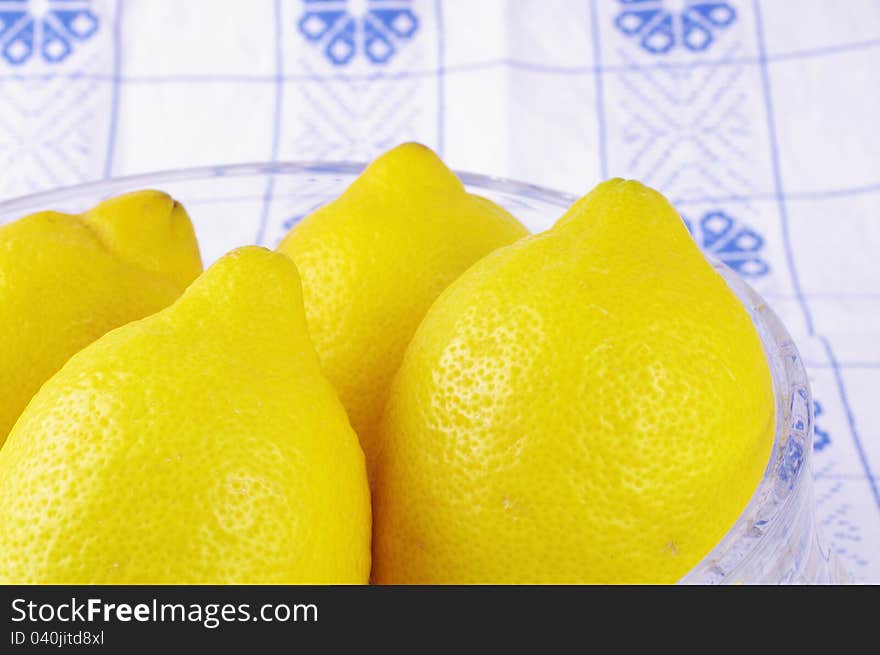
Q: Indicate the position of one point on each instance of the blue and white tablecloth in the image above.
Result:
(758, 119)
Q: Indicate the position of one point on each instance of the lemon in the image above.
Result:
(66, 280)
(374, 260)
(199, 445)
(588, 405)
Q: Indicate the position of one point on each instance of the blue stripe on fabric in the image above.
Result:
(777, 170)
(838, 377)
(276, 123)
(868, 365)
(795, 195)
(819, 475)
(114, 92)
(827, 50)
(441, 83)
(463, 68)
(600, 95)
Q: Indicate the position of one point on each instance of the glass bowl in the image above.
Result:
(775, 540)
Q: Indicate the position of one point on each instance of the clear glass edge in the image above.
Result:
(499, 184)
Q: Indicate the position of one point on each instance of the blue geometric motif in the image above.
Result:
(345, 27)
(738, 247)
(51, 27)
(821, 438)
(661, 24)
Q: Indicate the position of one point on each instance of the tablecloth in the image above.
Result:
(758, 119)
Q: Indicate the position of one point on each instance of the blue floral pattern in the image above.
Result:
(661, 25)
(346, 27)
(49, 29)
(737, 246)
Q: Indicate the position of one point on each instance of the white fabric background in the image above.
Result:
(758, 119)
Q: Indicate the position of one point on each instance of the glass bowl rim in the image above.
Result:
(494, 183)
(775, 334)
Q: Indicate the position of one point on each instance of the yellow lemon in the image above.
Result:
(66, 280)
(588, 405)
(374, 260)
(199, 445)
